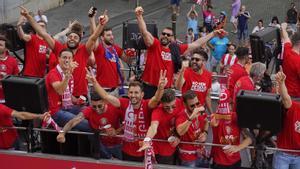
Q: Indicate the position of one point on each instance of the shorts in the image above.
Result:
(175, 2)
(233, 19)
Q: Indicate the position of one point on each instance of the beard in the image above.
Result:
(72, 45)
(2, 52)
(196, 67)
(164, 41)
(108, 43)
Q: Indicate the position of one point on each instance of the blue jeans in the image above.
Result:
(283, 160)
(109, 152)
(63, 116)
(199, 162)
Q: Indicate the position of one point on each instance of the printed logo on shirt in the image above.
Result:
(199, 86)
(141, 118)
(297, 127)
(103, 121)
(113, 59)
(166, 56)
(42, 49)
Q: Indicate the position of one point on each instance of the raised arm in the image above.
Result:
(65, 31)
(199, 42)
(147, 36)
(180, 80)
(90, 44)
(38, 28)
(60, 86)
(21, 33)
(154, 101)
(286, 98)
(103, 94)
(72, 123)
(284, 35)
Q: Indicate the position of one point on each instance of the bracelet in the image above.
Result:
(147, 139)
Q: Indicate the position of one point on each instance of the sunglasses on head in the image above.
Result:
(168, 34)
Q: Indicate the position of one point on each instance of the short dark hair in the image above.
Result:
(242, 53)
(168, 96)
(95, 97)
(169, 28)
(295, 38)
(136, 83)
(188, 95)
(190, 29)
(7, 44)
(202, 53)
(261, 21)
(66, 50)
(105, 30)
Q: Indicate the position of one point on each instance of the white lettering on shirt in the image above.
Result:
(199, 86)
(166, 56)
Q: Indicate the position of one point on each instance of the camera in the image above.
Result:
(94, 9)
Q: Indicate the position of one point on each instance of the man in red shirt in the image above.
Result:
(8, 64)
(159, 54)
(163, 127)
(9, 137)
(197, 78)
(36, 50)
(226, 132)
(238, 70)
(291, 61)
(81, 52)
(289, 137)
(135, 111)
(60, 85)
(107, 57)
(192, 126)
(257, 71)
(101, 117)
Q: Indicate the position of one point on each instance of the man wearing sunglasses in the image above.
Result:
(197, 78)
(163, 127)
(159, 54)
(135, 111)
(192, 126)
(101, 117)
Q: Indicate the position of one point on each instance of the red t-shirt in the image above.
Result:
(227, 134)
(7, 136)
(291, 68)
(53, 61)
(289, 137)
(244, 83)
(142, 123)
(159, 58)
(194, 131)
(35, 57)
(166, 128)
(236, 71)
(107, 74)
(81, 57)
(200, 83)
(54, 99)
(98, 121)
(9, 66)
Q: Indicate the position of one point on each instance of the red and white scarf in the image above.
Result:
(67, 95)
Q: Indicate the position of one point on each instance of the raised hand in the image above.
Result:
(90, 76)
(139, 11)
(280, 76)
(24, 12)
(162, 79)
(103, 19)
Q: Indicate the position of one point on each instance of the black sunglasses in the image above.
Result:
(195, 105)
(99, 106)
(196, 59)
(168, 34)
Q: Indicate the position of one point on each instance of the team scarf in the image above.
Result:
(149, 157)
(47, 122)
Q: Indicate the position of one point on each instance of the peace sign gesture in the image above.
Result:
(24, 12)
(163, 81)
